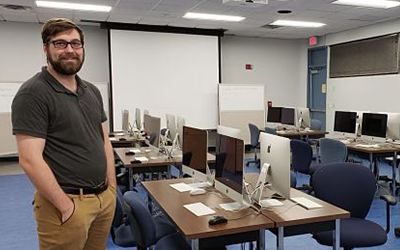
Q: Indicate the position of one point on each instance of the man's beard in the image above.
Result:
(66, 68)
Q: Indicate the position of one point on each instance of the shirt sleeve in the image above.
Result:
(100, 99)
(29, 116)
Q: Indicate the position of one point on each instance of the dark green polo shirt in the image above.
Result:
(71, 124)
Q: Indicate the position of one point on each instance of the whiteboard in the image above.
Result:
(234, 97)
(7, 93)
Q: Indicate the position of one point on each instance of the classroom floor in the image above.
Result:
(18, 225)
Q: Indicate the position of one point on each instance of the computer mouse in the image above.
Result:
(217, 220)
(135, 161)
(129, 153)
(122, 139)
(197, 191)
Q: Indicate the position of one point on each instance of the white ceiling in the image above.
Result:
(170, 12)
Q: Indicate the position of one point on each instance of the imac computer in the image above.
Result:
(229, 131)
(393, 126)
(373, 127)
(229, 167)
(125, 121)
(178, 140)
(275, 162)
(171, 126)
(152, 127)
(288, 116)
(274, 114)
(194, 153)
(303, 117)
(138, 119)
(345, 124)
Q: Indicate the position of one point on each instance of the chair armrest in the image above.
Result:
(120, 175)
(390, 200)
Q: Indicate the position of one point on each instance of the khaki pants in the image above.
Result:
(86, 229)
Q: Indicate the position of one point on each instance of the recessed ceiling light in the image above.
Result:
(297, 24)
(383, 4)
(73, 6)
(204, 16)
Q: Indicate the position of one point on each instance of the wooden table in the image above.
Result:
(119, 140)
(246, 225)
(301, 133)
(157, 161)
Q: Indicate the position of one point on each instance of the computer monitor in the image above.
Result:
(288, 116)
(152, 126)
(373, 127)
(303, 115)
(393, 126)
(171, 126)
(125, 120)
(345, 124)
(229, 131)
(274, 114)
(180, 122)
(138, 119)
(194, 152)
(275, 151)
(229, 167)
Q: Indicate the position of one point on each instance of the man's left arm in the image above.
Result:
(110, 157)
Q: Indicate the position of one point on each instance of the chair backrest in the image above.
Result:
(271, 131)
(301, 156)
(293, 179)
(332, 151)
(315, 124)
(119, 210)
(254, 134)
(140, 219)
(346, 185)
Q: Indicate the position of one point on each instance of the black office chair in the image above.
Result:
(255, 144)
(351, 187)
(301, 159)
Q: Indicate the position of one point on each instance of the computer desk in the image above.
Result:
(122, 141)
(293, 133)
(373, 153)
(243, 226)
(292, 219)
(157, 161)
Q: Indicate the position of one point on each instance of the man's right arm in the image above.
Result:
(30, 151)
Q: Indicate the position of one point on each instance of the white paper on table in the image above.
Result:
(181, 187)
(199, 209)
(113, 139)
(120, 134)
(142, 159)
(134, 150)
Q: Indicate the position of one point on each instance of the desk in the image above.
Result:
(383, 150)
(196, 229)
(127, 140)
(157, 161)
(301, 133)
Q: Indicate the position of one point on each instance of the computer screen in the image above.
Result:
(171, 126)
(304, 115)
(288, 116)
(229, 166)
(274, 114)
(275, 151)
(194, 149)
(374, 125)
(152, 126)
(138, 119)
(180, 122)
(393, 126)
(345, 122)
(125, 120)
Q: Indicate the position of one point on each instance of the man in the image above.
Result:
(63, 146)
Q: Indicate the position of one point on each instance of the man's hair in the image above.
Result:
(56, 25)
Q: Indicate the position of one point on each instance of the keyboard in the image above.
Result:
(306, 203)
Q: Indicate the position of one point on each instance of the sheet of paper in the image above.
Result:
(142, 158)
(199, 209)
(181, 187)
(120, 134)
(135, 150)
(113, 139)
(232, 206)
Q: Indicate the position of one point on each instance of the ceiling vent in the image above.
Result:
(15, 7)
(245, 3)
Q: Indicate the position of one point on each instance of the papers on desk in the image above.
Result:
(142, 159)
(233, 206)
(368, 145)
(160, 157)
(147, 150)
(113, 139)
(199, 209)
(306, 203)
(135, 150)
(267, 203)
(181, 187)
(119, 134)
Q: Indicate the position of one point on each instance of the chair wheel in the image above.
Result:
(397, 231)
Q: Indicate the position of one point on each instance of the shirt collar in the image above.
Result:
(57, 86)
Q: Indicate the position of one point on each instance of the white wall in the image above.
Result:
(365, 93)
(281, 65)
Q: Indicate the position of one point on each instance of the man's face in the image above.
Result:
(68, 60)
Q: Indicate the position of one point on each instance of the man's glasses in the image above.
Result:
(61, 44)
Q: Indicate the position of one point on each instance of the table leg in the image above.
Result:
(279, 240)
(130, 178)
(195, 244)
(394, 165)
(336, 235)
(261, 241)
(169, 172)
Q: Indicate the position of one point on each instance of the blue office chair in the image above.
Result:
(255, 144)
(271, 131)
(331, 151)
(149, 230)
(293, 179)
(315, 124)
(301, 158)
(351, 187)
(121, 233)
